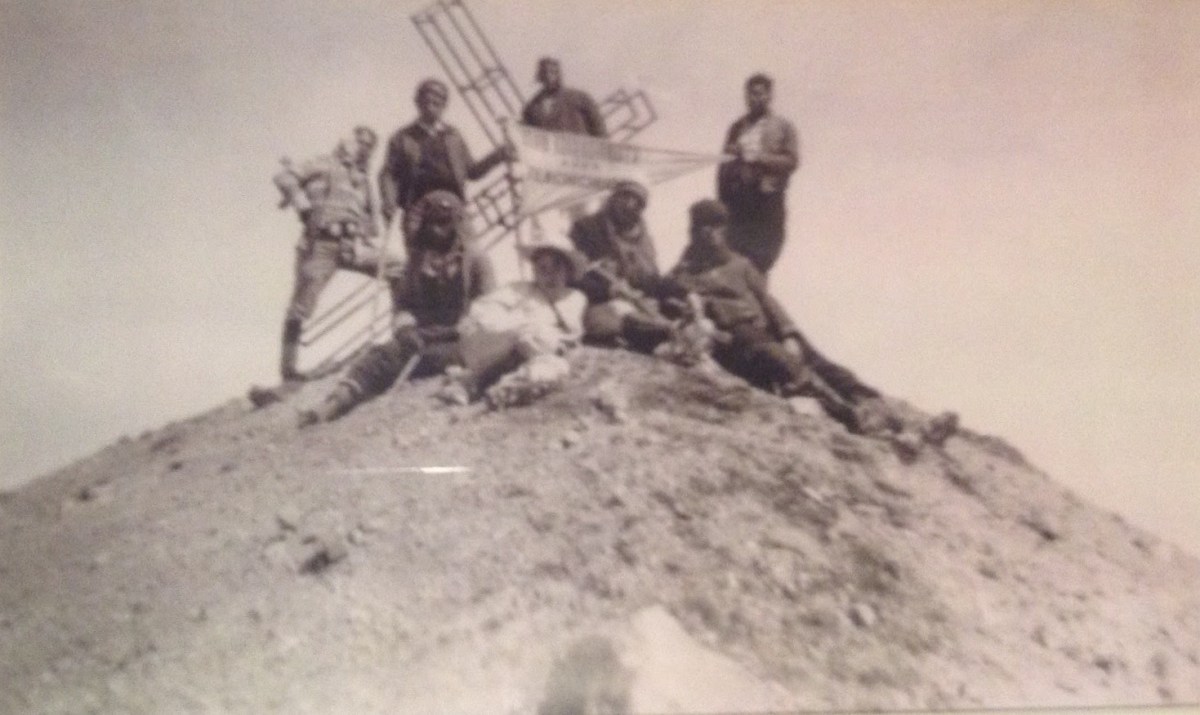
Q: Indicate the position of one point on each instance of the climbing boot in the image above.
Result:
(291, 351)
(263, 396)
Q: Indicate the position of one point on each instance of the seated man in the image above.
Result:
(622, 276)
(441, 279)
(761, 343)
(520, 333)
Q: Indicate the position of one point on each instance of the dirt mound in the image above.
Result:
(667, 524)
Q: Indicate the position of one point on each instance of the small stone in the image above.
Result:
(611, 400)
(863, 615)
(1039, 523)
(988, 570)
(288, 517)
(1039, 636)
(570, 439)
(326, 553)
(806, 406)
(198, 614)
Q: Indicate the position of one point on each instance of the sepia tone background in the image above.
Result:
(997, 210)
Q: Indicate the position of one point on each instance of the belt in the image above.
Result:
(339, 229)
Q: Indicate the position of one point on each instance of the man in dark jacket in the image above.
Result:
(765, 150)
(762, 343)
(622, 277)
(441, 279)
(562, 109)
(429, 155)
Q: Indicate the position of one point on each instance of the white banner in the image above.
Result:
(556, 169)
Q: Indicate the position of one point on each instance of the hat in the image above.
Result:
(558, 244)
(631, 187)
(433, 86)
(709, 212)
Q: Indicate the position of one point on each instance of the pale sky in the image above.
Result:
(998, 210)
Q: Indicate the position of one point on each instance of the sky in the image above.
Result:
(997, 210)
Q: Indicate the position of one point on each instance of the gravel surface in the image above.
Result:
(648, 539)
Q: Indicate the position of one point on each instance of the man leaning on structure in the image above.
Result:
(332, 196)
(765, 150)
(562, 109)
(429, 155)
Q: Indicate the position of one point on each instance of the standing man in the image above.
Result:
(429, 155)
(332, 196)
(765, 150)
(562, 109)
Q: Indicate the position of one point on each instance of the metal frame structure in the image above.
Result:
(357, 301)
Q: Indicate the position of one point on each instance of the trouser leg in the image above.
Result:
(370, 375)
(643, 333)
(757, 228)
(766, 364)
(378, 368)
(797, 378)
(752, 355)
(841, 379)
(316, 262)
(834, 404)
(619, 321)
(487, 356)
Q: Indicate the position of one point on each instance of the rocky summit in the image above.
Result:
(646, 539)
